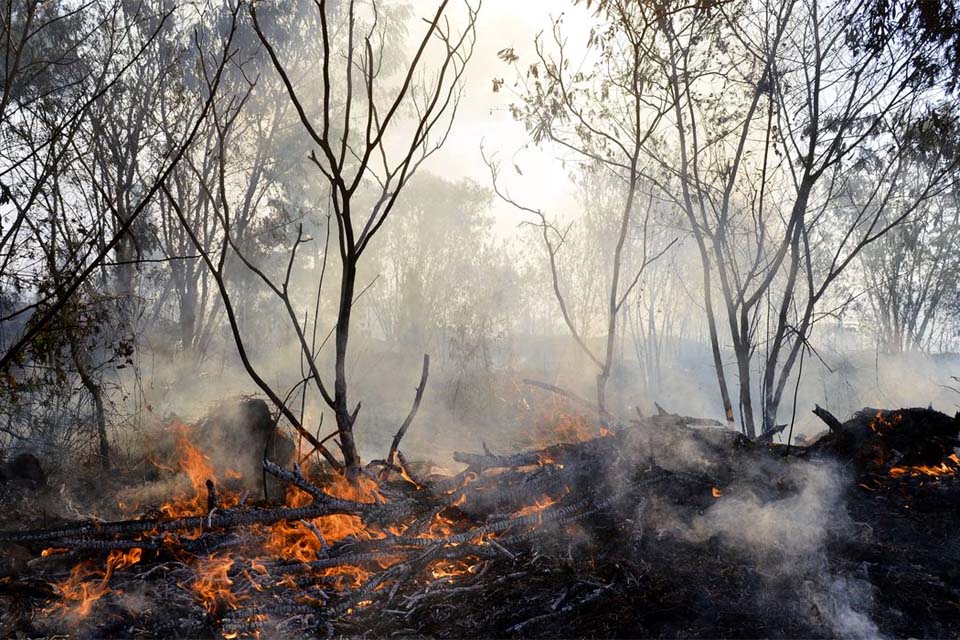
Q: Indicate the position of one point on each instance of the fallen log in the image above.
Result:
(323, 505)
(663, 418)
(550, 514)
(223, 519)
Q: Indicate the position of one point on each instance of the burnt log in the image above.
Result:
(664, 418)
(480, 461)
(877, 440)
(828, 418)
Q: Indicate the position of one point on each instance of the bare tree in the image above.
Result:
(771, 108)
(909, 275)
(61, 216)
(606, 116)
(358, 148)
(88, 257)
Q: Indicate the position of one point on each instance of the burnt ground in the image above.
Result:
(667, 587)
(657, 530)
(891, 554)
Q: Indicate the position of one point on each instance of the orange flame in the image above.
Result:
(198, 468)
(538, 506)
(881, 423)
(212, 586)
(88, 583)
(448, 568)
(296, 541)
(948, 467)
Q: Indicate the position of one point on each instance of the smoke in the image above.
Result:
(792, 527)
(780, 521)
(843, 602)
(785, 524)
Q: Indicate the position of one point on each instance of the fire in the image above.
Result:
(212, 586)
(537, 506)
(347, 576)
(440, 527)
(85, 585)
(214, 582)
(562, 423)
(293, 541)
(198, 468)
(949, 467)
(716, 492)
(573, 428)
(297, 541)
(88, 583)
(449, 568)
(881, 423)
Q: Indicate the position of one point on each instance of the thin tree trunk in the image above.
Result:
(96, 394)
(746, 396)
(714, 339)
(345, 418)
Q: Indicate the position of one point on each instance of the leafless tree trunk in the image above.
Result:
(351, 153)
(784, 65)
(96, 396)
(615, 137)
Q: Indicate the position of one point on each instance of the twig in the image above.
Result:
(391, 457)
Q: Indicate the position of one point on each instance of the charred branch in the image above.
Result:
(828, 418)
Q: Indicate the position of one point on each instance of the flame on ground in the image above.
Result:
(198, 468)
(305, 542)
(88, 583)
(950, 466)
(215, 577)
(213, 582)
(561, 423)
(440, 569)
(884, 422)
(538, 506)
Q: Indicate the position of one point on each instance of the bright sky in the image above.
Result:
(483, 116)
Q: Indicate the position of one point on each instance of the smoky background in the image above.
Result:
(456, 271)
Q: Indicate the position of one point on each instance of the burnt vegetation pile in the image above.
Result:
(656, 529)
